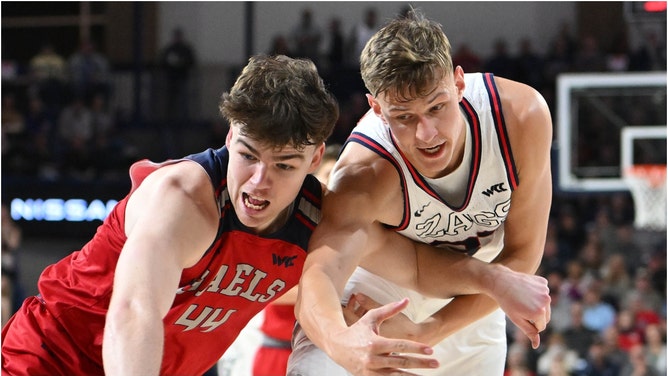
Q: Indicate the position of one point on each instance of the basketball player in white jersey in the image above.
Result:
(445, 158)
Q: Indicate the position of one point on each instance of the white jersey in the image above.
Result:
(470, 220)
(474, 225)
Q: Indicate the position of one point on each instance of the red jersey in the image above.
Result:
(279, 320)
(235, 279)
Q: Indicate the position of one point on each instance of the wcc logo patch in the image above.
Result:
(496, 188)
(288, 261)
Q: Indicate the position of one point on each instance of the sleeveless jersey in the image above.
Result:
(235, 279)
(474, 226)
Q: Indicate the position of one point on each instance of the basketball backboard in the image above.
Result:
(606, 122)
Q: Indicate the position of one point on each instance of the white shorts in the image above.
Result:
(478, 349)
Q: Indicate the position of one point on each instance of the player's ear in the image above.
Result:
(460, 83)
(373, 103)
(317, 158)
(228, 139)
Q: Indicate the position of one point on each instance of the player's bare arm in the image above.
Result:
(337, 245)
(496, 284)
(171, 220)
(530, 131)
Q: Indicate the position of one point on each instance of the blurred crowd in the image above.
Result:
(607, 278)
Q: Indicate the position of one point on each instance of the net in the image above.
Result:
(647, 184)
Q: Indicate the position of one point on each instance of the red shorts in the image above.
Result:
(33, 343)
(271, 361)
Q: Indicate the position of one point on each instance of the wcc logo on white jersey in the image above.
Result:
(496, 188)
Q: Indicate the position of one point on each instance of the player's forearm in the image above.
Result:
(462, 311)
(464, 275)
(318, 308)
(132, 346)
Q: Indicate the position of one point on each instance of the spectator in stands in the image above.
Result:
(468, 59)
(280, 46)
(597, 315)
(599, 362)
(655, 347)
(616, 279)
(48, 73)
(41, 126)
(178, 61)
(13, 120)
(576, 335)
(557, 359)
(613, 353)
(589, 57)
(38, 118)
(637, 364)
(552, 259)
(336, 46)
(591, 255)
(517, 362)
(75, 130)
(618, 59)
(643, 297)
(575, 282)
(500, 62)
(650, 56)
(13, 134)
(90, 71)
(360, 34)
(48, 65)
(628, 334)
(529, 65)
(625, 245)
(560, 318)
(110, 154)
(306, 37)
(570, 231)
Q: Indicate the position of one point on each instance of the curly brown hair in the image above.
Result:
(281, 101)
(406, 57)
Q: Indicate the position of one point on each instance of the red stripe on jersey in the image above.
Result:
(502, 132)
(375, 147)
(303, 219)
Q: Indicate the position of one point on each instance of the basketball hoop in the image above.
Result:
(647, 183)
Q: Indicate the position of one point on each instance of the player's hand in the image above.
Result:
(398, 326)
(525, 298)
(364, 352)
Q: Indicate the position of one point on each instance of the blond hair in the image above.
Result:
(406, 57)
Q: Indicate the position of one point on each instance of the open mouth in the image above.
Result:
(254, 203)
(432, 150)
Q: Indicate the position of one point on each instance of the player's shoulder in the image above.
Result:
(358, 163)
(523, 106)
(519, 96)
(184, 174)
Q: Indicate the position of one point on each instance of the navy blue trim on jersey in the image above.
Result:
(375, 147)
(214, 162)
(306, 207)
(501, 130)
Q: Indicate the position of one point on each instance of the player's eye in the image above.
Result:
(285, 167)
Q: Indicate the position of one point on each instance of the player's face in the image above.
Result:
(430, 131)
(262, 181)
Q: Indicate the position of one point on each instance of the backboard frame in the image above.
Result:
(565, 84)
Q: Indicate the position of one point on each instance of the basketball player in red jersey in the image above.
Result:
(271, 358)
(195, 250)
